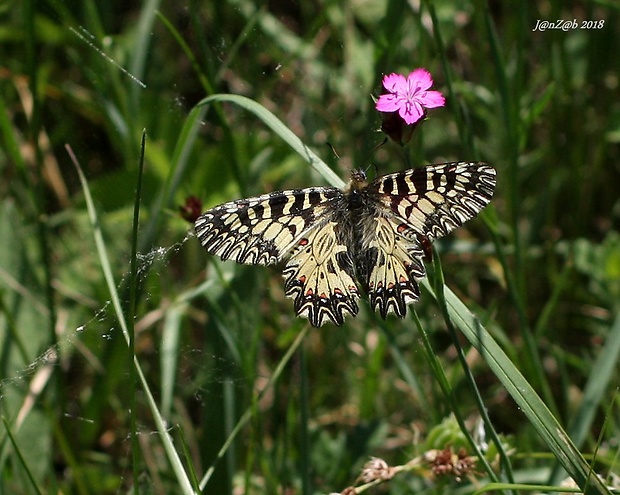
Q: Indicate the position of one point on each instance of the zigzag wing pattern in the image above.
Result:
(393, 262)
(264, 229)
(331, 237)
(320, 277)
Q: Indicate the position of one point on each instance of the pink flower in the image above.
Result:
(409, 96)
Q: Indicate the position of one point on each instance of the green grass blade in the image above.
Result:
(247, 415)
(178, 166)
(524, 395)
(133, 284)
(21, 458)
(162, 428)
(497, 487)
(469, 378)
(444, 384)
(169, 350)
(202, 77)
(281, 130)
(603, 371)
(143, 39)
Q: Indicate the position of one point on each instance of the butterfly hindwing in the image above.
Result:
(390, 265)
(320, 277)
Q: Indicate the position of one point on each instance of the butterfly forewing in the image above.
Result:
(330, 238)
(264, 229)
(435, 200)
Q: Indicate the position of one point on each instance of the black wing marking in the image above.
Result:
(392, 262)
(326, 248)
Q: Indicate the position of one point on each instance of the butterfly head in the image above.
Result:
(358, 180)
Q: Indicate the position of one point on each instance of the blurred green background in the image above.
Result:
(541, 268)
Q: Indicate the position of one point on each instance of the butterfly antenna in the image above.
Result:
(331, 147)
(379, 145)
(372, 152)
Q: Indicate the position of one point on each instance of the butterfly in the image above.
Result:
(335, 241)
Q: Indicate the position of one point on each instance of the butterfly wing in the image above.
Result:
(264, 229)
(435, 200)
(428, 202)
(297, 225)
(389, 265)
(320, 276)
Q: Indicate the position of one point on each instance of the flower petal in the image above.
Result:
(432, 99)
(421, 77)
(395, 83)
(388, 103)
(411, 112)
(409, 96)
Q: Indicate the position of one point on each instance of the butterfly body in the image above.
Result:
(369, 232)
